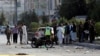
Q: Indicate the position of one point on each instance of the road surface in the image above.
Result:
(67, 50)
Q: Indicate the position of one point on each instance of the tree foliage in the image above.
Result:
(94, 10)
(28, 17)
(45, 19)
(71, 8)
(2, 19)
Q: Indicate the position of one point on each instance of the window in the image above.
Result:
(18, 4)
(50, 5)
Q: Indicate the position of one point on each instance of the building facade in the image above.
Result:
(46, 6)
(8, 8)
(28, 5)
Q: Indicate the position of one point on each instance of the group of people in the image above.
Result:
(12, 34)
(63, 33)
(70, 32)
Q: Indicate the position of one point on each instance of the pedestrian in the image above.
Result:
(80, 32)
(24, 36)
(8, 35)
(67, 34)
(60, 34)
(20, 33)
(15, 34)
(86, 30)
(73, 33)
(55, 34)
(47, 32)
(63, 26)
(92, 32)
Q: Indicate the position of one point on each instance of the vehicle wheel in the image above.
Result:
(32, 45)
(48, 44)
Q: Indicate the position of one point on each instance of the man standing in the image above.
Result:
(86, 30)
(21, 33)
(24, 36)
(8, 35)
(15, 34)
(92, 31)
(67, 33)
(60, 34)
(47, 32)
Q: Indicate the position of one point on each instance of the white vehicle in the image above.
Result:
(43, 28)
(52, 30)
(2, 29)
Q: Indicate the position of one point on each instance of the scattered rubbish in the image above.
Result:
(84, 53)
(67, 50)
(79, 47)
(87, 51)
(21, 54)
(74, 51)
(15, 46)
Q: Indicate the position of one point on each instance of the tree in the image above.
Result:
(33, 16)
(93, 10)
(45, 19)
(71, 8)
(28, 17)
(2, 19)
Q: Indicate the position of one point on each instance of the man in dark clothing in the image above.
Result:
(15, 34)
(92, 32)
(80, 32)
(55, 36)
(67, 33)
(86, 30)
(8, 34)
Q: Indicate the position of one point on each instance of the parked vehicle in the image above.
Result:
(2, 29)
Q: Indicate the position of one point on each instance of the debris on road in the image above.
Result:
(21, 54)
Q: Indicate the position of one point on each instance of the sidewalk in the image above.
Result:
(95, 45)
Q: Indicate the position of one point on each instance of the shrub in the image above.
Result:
(34, 26)
(97, 27)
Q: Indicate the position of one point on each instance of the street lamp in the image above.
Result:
(15, 18)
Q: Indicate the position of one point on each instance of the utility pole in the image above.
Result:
(49, 11)
(15, 18)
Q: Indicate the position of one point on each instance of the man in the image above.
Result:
(24, 37)
(67, 33)
(55, 36)
(21, 33)
(80, 32)
(47, 32)
(60, 34)
(8, 34)
(86, 30)
(92, 31)
(15, 34)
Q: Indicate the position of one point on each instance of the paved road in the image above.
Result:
(68, 50)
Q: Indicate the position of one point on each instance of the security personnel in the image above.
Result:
(47, 32)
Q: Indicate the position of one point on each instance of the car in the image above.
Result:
(2, 29)
(39, 38)
(33, 34)
(43, 28)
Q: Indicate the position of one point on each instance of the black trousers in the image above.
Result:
(86, 37)
(92, 38)
(15, 36)
(20, 38)
(8, 38)
(55, 40)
